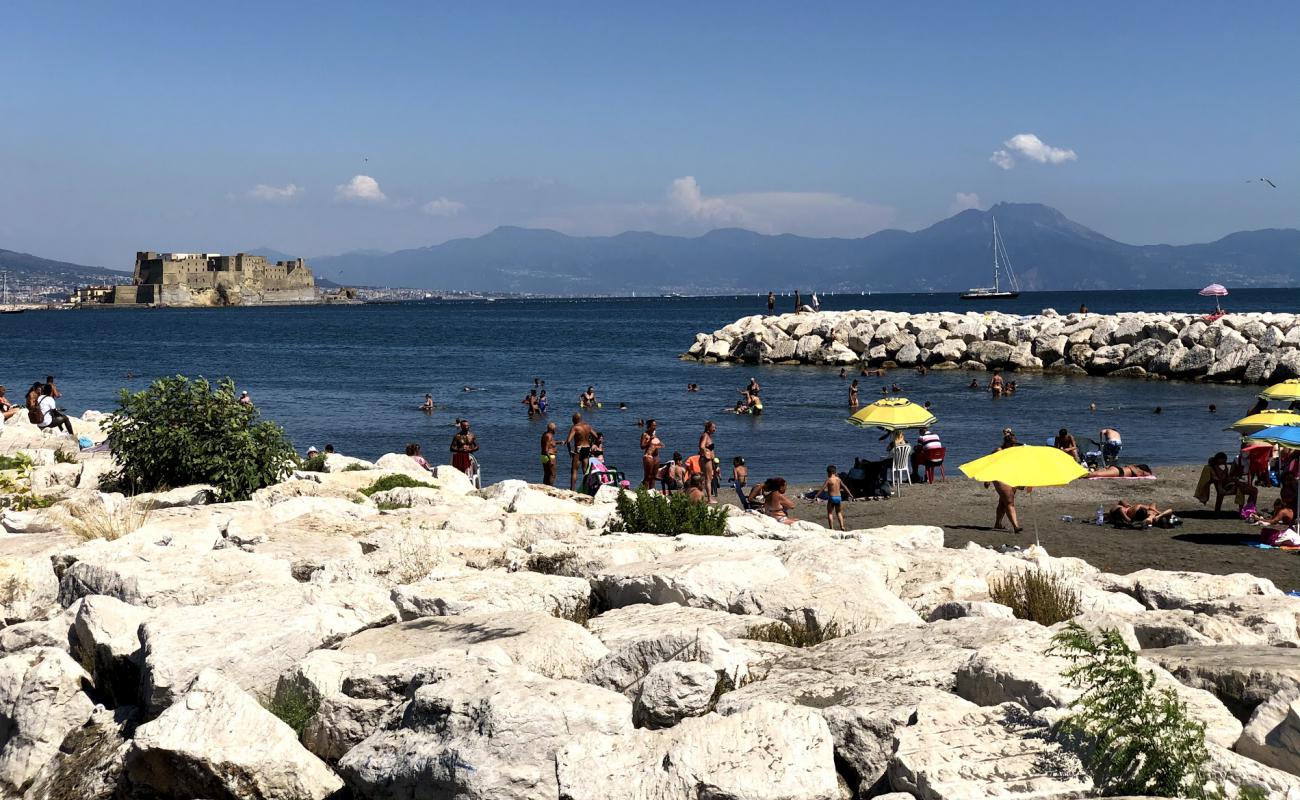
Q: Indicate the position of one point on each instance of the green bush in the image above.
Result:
(314, 464)
(356, 468)
(1141, 740)
(62, 456)
(179, 432)
(395, 481)
(796, 634)
(654, 513)
(551, 564)
(1036, 594)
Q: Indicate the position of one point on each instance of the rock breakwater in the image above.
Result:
(1241, 348)
(445, 641)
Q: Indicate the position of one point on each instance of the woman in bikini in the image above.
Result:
(650, 446)
(1128, 471)
(775, 504)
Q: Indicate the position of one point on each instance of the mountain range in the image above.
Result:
(1047, 251)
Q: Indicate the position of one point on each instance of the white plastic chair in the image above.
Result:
(902, 468)
(475, 476)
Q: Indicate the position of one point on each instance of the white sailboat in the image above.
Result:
(1001, 261)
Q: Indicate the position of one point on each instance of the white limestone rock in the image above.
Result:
(89, 765)
(1272, 736)
(673, 691)
(107, 636)
(217, 741)
(767, 752)
(952, 754)
(1162, 589)
(29, 589)
(484, 592)
(1242, 676)
(42, 699)
(482, 730)
(700, 578)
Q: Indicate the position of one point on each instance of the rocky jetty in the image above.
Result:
(1241, 348)
(442, 641)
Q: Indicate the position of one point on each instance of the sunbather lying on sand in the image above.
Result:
(1139, 515)
(1131, 471)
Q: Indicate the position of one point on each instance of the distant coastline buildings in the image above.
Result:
(212, 279)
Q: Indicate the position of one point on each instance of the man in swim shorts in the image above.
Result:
(579, 443)
(835, 491)
(1111, 444)
(548, 455)
(462, 445)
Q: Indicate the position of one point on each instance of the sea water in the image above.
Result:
(354, 376)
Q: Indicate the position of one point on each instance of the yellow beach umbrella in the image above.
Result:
(1027, 465)
(892, 414)
(1284, 391)
(1264, 419)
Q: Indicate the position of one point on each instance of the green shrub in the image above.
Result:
(18, 461)
(1036, 594)
(796, 634)
(293, 706)
(314, 464)
(654, 513)
(356, 468)
(395, 481)
(179, 432)
(62, 456)
(1140, 739)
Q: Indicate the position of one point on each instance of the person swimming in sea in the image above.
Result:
(427, 406)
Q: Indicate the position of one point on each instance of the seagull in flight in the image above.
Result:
(1264, 180)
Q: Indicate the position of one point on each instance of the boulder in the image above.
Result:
(1196, 360)
(1272, 736)
(638, 622)
(107, 637)
(633, 657)
(1242, 676)
(483, 730)
(29, 589)
(538, 642)
(952, 754)
(700, 578)
(1050, 347)
(1141, 353)
(1166, 589)
(990, 354)
(90, 764)
(218, 742)
(252, 638)
(1108, 358)
(42, 699)
(1260, 369)
(766, 752)
(400, 462)
(673, 691)
(485, 592)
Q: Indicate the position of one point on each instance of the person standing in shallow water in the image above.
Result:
(650, 446)
(797, 301)
(706, 451)
(463, 444)
(579, 442)
(771, 302)
(548, 455)
(853, 395)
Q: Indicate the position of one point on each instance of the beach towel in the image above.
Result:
(1203, 484)
(1122, 478)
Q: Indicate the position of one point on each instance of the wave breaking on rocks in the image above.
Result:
(1243, 348)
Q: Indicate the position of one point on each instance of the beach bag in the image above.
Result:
(34, 414)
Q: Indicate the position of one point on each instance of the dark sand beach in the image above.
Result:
(1206, 542)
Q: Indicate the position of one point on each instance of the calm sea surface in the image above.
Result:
(354, 376)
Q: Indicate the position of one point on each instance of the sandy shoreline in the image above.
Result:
(1206, 542)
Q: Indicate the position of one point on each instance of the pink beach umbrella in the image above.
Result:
(1216, 291)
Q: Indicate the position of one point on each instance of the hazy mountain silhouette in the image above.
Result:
(29, 268)
(1047, 250)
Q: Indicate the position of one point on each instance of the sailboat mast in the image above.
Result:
(996, 285)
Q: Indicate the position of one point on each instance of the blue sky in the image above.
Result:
(325, 127)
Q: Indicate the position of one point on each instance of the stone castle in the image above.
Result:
(185, 279)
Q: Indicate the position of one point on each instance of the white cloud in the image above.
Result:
(1003, 159)
(687, 200)
(1030, 147)
(805, 213)
(963, 201)
(362, 188)
(442, 207)
(270, 193)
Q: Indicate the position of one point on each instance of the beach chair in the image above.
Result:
(902, 468)
(474, 475)
(934, 458)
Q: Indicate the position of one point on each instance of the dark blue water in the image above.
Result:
(354, 375)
